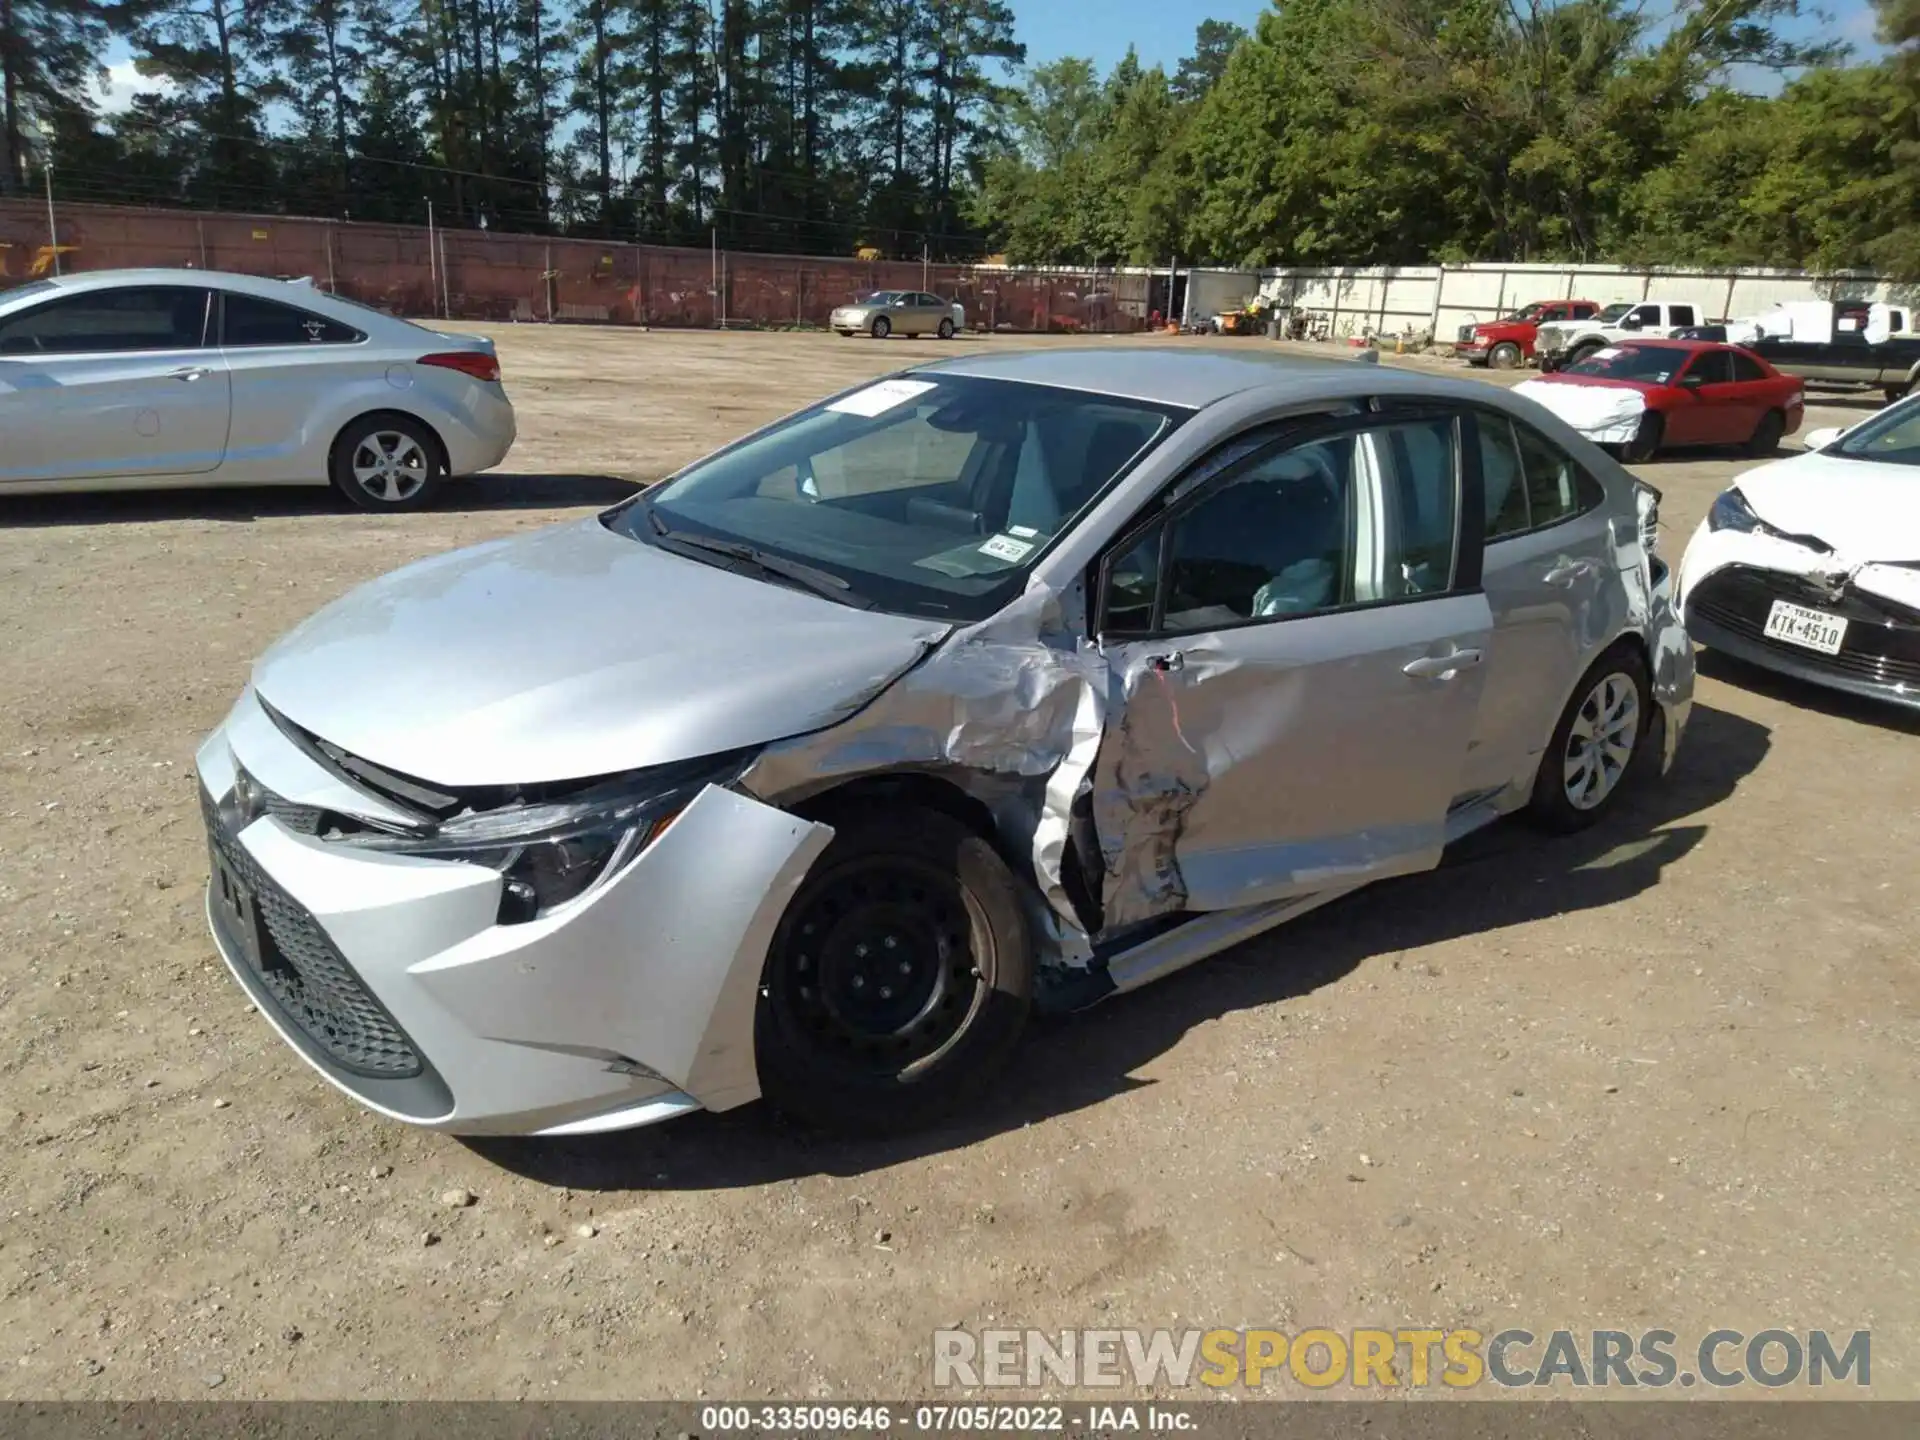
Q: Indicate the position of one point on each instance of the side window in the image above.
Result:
(1350, 519)
(251, 321)
(1557, 489)
(1584, 312)
(1502, 474)
(1745, 367)
(932, 301)
(1710, 368)
(1647, 314)
(108, 322)
(1682, 314)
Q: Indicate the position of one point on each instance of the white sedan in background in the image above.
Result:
(1811, 566)
(150, 379)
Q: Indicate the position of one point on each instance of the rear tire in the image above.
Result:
(882, 327)
(1505, 356)
(387, 463)
(899, 978)
(1766, 435)
(945, 331)
(1595, 745)
(1646, 440)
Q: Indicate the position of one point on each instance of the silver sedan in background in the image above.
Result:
(149, 379)
(898, 312)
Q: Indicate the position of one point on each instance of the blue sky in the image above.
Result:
(1162, 30)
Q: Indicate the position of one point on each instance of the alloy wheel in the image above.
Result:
(1601, 741)
(390, 466)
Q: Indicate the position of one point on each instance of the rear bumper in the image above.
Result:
(484, 433)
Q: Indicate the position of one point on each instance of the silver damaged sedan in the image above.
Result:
(1003, 683)
(150, 379)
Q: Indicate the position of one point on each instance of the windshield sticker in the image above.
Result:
(1612, 352)
(1005, 547)
(1025, 532)
(878, 399)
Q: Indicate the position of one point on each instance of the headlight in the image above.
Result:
(1732, 512)
(551, 851)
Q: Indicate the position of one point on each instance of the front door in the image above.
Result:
(1713, 410)
(110, 383)
(1297, 643)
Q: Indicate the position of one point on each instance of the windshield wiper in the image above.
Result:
(808, 577)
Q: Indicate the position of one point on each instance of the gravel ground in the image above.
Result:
(1661, 1075)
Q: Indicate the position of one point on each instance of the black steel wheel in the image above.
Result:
(898, 979)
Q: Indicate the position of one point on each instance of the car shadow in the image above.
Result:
(494, 490)
(1805, 695)
(1507, 875)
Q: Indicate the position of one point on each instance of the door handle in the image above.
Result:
(1566, 571)
(188, 373)
(1442, 667)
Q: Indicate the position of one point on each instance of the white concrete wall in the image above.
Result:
(1440, 299)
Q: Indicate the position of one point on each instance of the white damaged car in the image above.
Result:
(1811, 566)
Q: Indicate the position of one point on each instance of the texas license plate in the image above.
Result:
(235, 907)
(1809, 629)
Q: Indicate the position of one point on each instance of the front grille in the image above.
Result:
(1882, 643)
(311, 983)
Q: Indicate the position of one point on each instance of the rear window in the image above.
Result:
(251, 321)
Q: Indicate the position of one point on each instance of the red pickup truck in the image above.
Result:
(1507, 344)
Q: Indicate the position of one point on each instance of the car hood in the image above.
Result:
(576, 652)
(1585, 402)
(1865, 510)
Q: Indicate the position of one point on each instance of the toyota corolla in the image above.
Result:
(1003, 683)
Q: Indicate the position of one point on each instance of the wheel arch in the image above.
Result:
(381, 413)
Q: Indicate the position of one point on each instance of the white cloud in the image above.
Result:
(112, 88)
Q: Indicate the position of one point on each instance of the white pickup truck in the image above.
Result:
(1561, 344)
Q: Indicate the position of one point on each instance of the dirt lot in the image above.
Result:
(1662, 1075)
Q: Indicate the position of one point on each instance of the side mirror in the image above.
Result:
(1632, 322)
(1821, 439)
(1692, 382)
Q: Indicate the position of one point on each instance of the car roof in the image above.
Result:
(182, 275)
(1190, 378)
(1661, 342)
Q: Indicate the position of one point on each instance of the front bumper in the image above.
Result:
(1730, 581)
(390, 975)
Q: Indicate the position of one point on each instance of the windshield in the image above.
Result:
(926, 494)
(1613, 313)
(1892, 437)
(878, 297)
(1532, 312)
(1646, 363)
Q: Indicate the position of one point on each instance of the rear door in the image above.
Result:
(111, 383)
(1547, 576)
(1298, 634)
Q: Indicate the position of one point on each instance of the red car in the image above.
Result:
(1647, 395)
(1508, 343)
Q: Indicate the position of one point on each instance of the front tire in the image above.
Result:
(1505, 356)
(882, 327)
(387, 463)
(1646, 440)
(899, 978)
(1595, 745)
